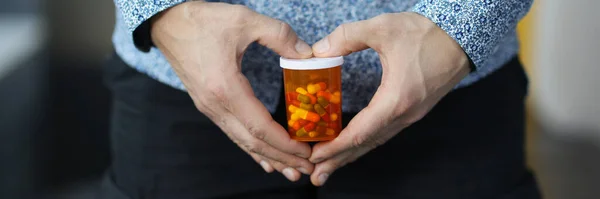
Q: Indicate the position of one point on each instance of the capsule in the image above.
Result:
(310, 126)
(324, 94)
(295, 116)
(313, 117)
(322, 101)
(319, 109)
(334, 117)
(322, 123)
(301, 112)
(307, 115)
(330, 132)
(299, 124)
(335, 99)
(289, 96)
(307, 107)
(301, 132)
(301, 90)
(313, 88)
(296, 125)
(303, 122)
(322, 85)
(313, 99)
(303, 98)
(313, 134)
(326, 118)
(295, 103)
(292, 108)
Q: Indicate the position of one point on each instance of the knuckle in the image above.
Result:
(223, 121)
(216, 90)
(400, 109)
(254, 147)
(240, 9)
(256, 132)
(384, 19)
(358, 141)
(364, 141)
(284, 31)
(381, 25)
(203, 105)
(200, 106)
(240, 13)
(341, 29)
(199, 103)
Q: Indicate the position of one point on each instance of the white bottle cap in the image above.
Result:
(311, 64)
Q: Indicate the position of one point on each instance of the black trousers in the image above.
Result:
(471, 145)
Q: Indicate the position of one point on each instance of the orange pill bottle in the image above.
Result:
(313, 97)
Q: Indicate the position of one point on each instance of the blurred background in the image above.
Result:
(54, 109)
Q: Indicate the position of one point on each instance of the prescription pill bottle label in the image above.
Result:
(313, 98)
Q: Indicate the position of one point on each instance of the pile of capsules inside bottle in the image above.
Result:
(313, 97)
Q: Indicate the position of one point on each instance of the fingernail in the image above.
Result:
(266, 166)
(303, 48)
(322, 178)
(322, 46)
(288, 173)
(303, 170)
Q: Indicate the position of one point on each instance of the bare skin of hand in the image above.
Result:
(420, 63)
(204, 43)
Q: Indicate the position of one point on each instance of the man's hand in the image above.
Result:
(421, 64)
(204, 43)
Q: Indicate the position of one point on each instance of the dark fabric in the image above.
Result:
(471, 145)
(142, 38)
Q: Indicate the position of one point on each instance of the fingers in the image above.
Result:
(280, 37)
(362, 131)
(326, 168)
(368, 129)
(345, 39)
(258, 122)
(252, 145)
(263, 163)
(290, 173)
(282, 158)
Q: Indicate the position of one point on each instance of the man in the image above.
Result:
(432, 100)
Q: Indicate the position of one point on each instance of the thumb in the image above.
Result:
(345, 39)
(281, 38)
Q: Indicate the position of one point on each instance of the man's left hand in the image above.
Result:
(421, 64)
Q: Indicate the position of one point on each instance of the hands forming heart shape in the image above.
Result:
(205, 42)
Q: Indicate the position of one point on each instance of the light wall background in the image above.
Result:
(560, 50)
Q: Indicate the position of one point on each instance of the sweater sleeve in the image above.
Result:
(476, 25)
(136, 15)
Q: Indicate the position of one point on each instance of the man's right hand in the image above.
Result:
(204, 43)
